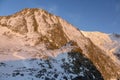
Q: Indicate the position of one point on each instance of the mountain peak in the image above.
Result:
(37, 25)
(31, 11)
(33, 18)
(37, 32)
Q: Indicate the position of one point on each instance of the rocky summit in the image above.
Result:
(37, 45)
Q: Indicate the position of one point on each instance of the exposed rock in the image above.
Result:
(35, 31)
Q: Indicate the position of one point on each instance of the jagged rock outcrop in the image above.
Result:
(35, 27)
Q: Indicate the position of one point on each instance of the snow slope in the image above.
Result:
(110, 43)
(37, 45)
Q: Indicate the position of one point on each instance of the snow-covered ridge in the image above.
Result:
(110, 43)
(35, 33)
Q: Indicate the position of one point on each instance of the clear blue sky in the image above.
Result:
(90, 15)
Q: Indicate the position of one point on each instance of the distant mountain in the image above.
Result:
(37, 45)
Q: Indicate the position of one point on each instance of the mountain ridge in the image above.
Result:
(44, 34)
(110, 43)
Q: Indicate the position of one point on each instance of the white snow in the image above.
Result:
(20, 52)
(107, 42)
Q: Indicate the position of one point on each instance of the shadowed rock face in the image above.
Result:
(40, 27)
(73, 64)
(90, 71)
(118, 56)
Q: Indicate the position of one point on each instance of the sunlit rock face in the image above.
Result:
(110, 43)
(37, 45)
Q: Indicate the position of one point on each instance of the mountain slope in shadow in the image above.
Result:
(66, 66)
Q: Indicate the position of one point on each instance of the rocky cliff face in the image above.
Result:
(35, 33)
